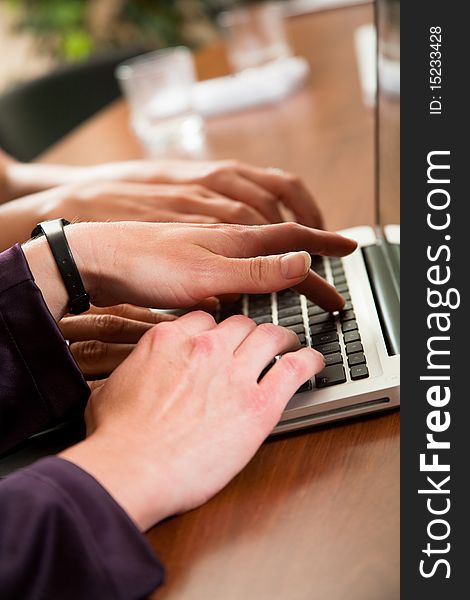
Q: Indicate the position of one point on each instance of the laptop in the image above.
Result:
(361, 344)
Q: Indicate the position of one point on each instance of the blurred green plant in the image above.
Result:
(73, 29)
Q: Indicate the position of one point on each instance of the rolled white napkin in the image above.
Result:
(269, 83)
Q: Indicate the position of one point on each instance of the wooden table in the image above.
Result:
(315, 515)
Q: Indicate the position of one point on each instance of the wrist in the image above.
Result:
(130, 480)
(46, 273)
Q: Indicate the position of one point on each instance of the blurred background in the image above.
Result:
(38, 35)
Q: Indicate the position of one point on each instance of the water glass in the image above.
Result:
(254, 35)
(159, 88)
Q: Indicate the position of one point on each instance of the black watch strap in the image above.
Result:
(79, 300)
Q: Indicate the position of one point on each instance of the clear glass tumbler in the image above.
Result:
(159, 88)
(254, 35)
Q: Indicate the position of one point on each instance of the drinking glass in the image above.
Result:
(159, 88)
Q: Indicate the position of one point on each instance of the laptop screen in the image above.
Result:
(388, 113)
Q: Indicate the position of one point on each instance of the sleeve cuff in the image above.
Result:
(41, 385)
(122, 562)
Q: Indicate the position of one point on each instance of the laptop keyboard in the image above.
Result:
(335, 335)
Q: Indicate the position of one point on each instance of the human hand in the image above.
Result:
(184, 413)
(167, 265)
(262, 189)
(102, 338)
(122, 201)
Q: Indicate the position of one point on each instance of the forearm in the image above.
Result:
(21, 179)
(19, 217)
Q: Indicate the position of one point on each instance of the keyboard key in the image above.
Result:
(314, 309)
(346, 295)
(302, 339)
(292, 320)
(347, 315)
(348, 305)
(324, 338)
(259, 311)
(356, 359)
(259, 299)
(328, 348)
(323, 327)
(321, 318)
(359, 372)
(336, 262)
(333, 359)
(339, 279)
(287, 298)
(342, 288)
(351, 336)
(337, 271)
(262, 319)
(354, 347)
(288, 311)
(349, 326)
(331, 375)
(287, 301)
(287, 292)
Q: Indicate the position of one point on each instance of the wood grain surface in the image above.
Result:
(315, 515)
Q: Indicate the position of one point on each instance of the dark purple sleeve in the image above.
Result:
(40, 383)
(63, 536)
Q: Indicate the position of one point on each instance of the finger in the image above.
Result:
(261, 274)
(104, 327)
(264, 343)
(129, 311)
(209, 305)
(235, 329)
(186, 217)
(284, 237)
(221, 210)
(196, 322)
(290, 190)
(321, 292)
(98, 358)
(264, 274)
(246, 191)
(286, 376)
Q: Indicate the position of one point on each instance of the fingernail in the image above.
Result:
(295, 264)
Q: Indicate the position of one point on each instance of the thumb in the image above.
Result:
(263, 274)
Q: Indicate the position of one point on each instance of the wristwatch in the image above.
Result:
(53, 230)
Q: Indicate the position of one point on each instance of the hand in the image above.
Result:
(122, 201)
(102, 338)
(184, 413)
(167, 265)
(262, 189)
